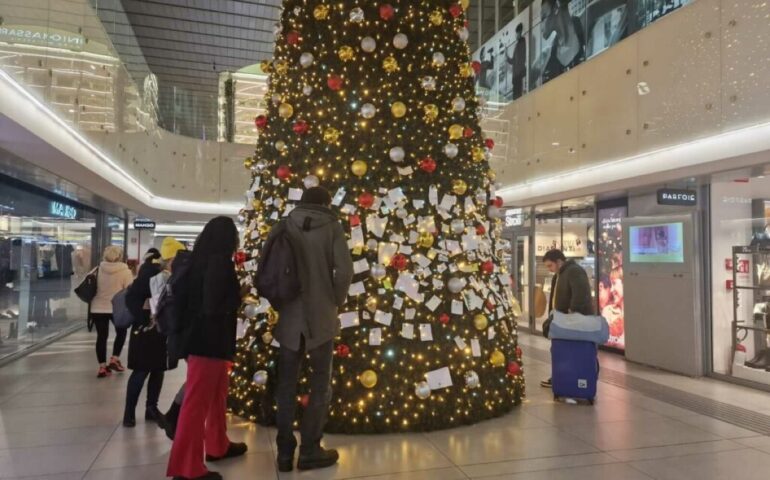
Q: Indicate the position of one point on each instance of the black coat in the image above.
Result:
(214, 300)
(146, 346)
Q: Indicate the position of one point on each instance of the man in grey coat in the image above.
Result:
(308, 325)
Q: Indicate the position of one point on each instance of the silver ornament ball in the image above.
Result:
(306, 59)
(357, 15)
(400, 41)
(439, 59)
(456, 284)
(311, 181)
(307, 90)
(451, 150)
(368, 110)
(472, 379)
(260, 377)
(378, 271)
(397, 154)
(368, 44)
(458, 104)
(250, 310)
(422, 390)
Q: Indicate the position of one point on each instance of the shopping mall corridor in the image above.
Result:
(58, 422)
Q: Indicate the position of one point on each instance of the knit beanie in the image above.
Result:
(170, 247)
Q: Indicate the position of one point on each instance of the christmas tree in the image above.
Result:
(375, 102)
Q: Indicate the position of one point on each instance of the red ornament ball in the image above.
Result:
(304, 400)
(399, 262)
(518, 352)
(283, 172)
(490, 305)
(456, 10)
(293, 38)
(260, 122)
(480, 229)
(240, 257)
(387, 12)
(428, 165)
(334, 82)
(488, 267)
(476, 66)
(300, 127)
(514, 368)
(355, 220)
(365, 200)
(490, 144)
(444, 319)
(497, 202)
(343, 351)
(468, 132)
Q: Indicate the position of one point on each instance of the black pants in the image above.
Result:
(102, 323)
(135, 384)
(314, 417)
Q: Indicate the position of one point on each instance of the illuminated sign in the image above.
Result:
(671, 196)
(144, 224)
(41, 36)
(62, 210)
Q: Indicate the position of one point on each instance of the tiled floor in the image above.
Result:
(58, 422)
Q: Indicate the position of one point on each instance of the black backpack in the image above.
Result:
(172, 302)
(277, 276)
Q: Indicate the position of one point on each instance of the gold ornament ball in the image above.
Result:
(492, 175)
(398, 109)
(425, 240)
(346, 53)
(321, 12)
(465, 4)
(281, 67)
(480, 321)
(478, 154)
(459, 187)
(466, 70)
(267, 338)
(256, 204)
(368, 378)
(497, 358)
(359, 168)
(248, 162)
(272, 316)
(390, 64)
(456, 132)
(436, 17)
(285, 110)
(331, 135)
(264, 231)
(431, 112)
(371, 304)
(250, 300)
(266, 66)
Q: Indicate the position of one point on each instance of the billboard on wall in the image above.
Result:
(609, 253)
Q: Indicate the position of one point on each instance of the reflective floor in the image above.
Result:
(58, 422)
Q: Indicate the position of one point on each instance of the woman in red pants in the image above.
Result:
(212, 299)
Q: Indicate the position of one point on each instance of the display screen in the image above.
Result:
(662, 243)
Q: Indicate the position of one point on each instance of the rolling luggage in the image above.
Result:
(575, 369)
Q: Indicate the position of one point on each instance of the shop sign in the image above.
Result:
(514, 217)
(45, 37)
(144, 224)
(677, 197)
(62, 210)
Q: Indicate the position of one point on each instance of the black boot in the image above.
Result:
(233, 450)
(152, 414)
(208, 476)
(172, 417)
(316, 457)
(129, 419)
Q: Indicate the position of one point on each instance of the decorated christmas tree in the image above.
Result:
(375, 102)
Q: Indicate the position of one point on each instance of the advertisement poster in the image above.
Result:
(504, 62)
(610, 261)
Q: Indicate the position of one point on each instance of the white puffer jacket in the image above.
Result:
(111, 278)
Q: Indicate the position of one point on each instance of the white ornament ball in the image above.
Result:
(368, 110)
(378, 271)
(428, 83)
(402, 213)
(357, 15)
(280, 145)
(472, 379)
(368, 44)
(458, 104)
(400, 41)
(451, 150)
(306, 60)
(261, 166)
(494, 212)
(422, 390)
(463, 34)
(397, 154)
(371, 244)
(439, 59)
(307, 90)
(260, 377)
(458, 226)
(456, 284)
(250, 310)
(311, 181)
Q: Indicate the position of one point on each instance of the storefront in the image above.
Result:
(48, 243)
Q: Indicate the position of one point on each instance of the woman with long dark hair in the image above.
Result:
(213, 302)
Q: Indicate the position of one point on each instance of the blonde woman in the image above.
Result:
(113, 275)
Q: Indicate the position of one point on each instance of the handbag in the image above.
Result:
(86, 291)
(121, 315)
(547, 325)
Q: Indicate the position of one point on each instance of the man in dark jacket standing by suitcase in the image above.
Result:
(308, 324)
(570, 289)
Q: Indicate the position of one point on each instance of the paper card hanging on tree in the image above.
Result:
(240, 328)
(376, 205)
(410, 313)
(446, 215)
(470, 205)
(426, 332)
(407, 330)
(405, 171)
(357, 288)
(348, 209)
(410, 220)
(433, 303)
(397, 195)
(276, 182)
(438, 379)
(396, 238)
(433, 195)
(447, 202)
(338, 197)
(470, 242)
(275, 344)
(427, 224)
(418, 204)
(274, 216)
(366, 316)
(398, 303)
(288, 209)
(376, 225)
(255, 184)
(457, 307)
(349, 319)
(421, 260)
(375, 337)
(454, 248)
(406, 283)
(383, 318)
(438, 284)
(413, 237)
(250, 266)
(360, 266)
(405, 249)
(357, 237)
(295, 194)
(475, 347)
(442, 266)
(385, 252)
(460, 342)
(389, 203)
(491, 333)
(500, 312)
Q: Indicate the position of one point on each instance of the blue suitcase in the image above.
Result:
(574, 369)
